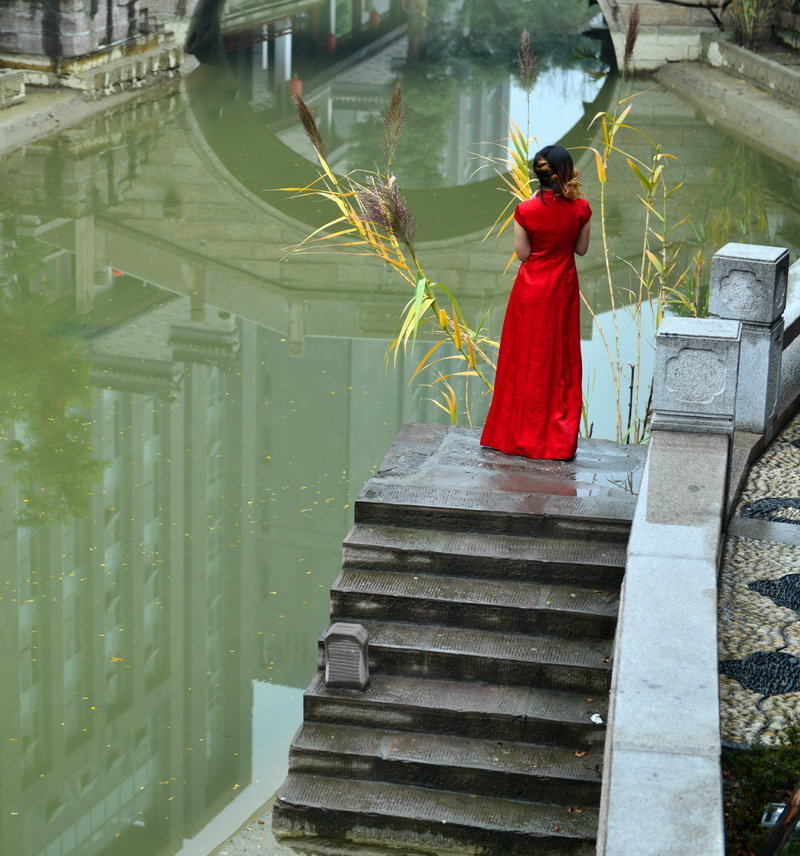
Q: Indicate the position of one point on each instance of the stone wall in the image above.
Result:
(68, 28)
(787, 17)
(172, 8)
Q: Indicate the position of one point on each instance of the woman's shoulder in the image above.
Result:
(583, 209)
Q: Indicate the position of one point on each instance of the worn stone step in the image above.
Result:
(469, 709)
(485, 556)
(513, 606)
(595, 518)
(376, 812)
(465, 654)
(492, 767)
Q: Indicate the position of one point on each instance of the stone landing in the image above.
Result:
(489, 587)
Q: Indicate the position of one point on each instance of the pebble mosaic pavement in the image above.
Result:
(759, 630)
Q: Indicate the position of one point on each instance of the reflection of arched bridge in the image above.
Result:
(667, 32)
(166, 209)
(173, 208)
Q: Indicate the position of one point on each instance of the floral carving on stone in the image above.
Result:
(738, 289)
(695, 375)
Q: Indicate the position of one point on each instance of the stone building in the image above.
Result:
(68, 28)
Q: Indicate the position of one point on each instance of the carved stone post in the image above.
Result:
(694, 380)
(346, 656)
(748, 284)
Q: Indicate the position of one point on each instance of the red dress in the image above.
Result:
(536, 407)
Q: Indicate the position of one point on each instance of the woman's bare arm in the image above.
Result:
(582, 243)
(522, 243)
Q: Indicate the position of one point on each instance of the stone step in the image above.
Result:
(519, 607)
(495, 768)
(410, 818)
(483, 711)
(595, 518)
(485, 556)
(480, 655)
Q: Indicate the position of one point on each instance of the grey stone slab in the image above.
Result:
(488, 546)
(764, 530)
(495, 768)
(505, 756)
(789, 385)
(436, 706)
(678, 799)
(569, 561)
(748, 282)
(459, 591)
(665, 685)
(441, 456)
(682, 497)
(493, 657)
(494, 511)
(415, 442)
(695, 374)
(379, 798)
(759, 375)
(12, 87)
(791, 320)
(588, 654)
(745, 448)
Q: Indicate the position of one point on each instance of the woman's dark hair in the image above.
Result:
(554, 169)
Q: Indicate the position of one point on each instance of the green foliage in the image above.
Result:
(738, 205)
(753, 778)
(750, 20)
(43, 386)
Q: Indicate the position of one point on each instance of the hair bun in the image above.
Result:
(555, 170)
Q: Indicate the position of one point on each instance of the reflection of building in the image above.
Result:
(229, 462)
(127, 720)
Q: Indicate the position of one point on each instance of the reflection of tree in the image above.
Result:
(467, 49)
(737, 208)
(490, 29)
(45, 379)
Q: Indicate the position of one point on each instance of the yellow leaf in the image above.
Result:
(456, 333)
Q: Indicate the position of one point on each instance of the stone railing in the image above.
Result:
(723, 386)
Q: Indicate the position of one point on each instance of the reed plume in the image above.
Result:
(309, 124)
(393, 121)
(526, 59)
(630, 39)
(382, 203)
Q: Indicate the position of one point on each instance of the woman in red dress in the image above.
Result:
(536, 407)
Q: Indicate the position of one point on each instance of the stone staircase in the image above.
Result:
(488, 586)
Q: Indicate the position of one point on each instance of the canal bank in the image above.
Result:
(48, 111)
(153, 202)
(731, 96)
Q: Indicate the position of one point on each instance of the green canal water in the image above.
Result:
(186, 413)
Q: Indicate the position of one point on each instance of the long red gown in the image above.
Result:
(536, 407)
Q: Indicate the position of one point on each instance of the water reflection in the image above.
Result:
(455, 60)
(189, 414)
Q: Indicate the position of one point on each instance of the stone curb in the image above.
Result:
(738, 105)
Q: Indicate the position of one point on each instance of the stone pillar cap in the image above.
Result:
(709, 328)
(752, 252)
(351, 631)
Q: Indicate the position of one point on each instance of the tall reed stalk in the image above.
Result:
(659, 283)
(374, 220)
